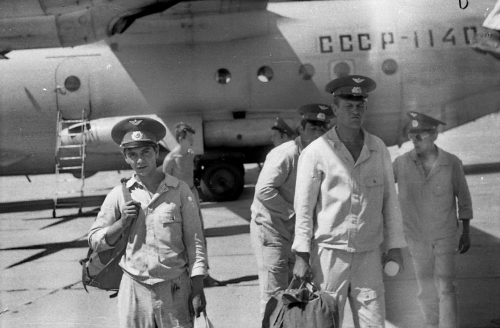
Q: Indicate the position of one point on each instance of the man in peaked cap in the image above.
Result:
(163, 289)
(273, 216)
(347, 207)
(138, 131)
(281, 132)
(432, 190)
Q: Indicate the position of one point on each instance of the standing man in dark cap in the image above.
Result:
(346, 207)
(273, 216)
(165, 259)
(432, 189)
(281, 132)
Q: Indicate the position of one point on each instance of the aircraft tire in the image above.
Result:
(222, 182)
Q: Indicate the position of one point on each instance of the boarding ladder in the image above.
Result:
(70, 158)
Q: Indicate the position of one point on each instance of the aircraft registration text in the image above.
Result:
(387, 40)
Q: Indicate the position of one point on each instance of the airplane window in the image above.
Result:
(223, 76)
(72, 83)
(389, 66)
(342, 69)
(265, 74)
(306, 71)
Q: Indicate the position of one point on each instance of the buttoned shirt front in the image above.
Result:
(166, 238)
(429, 203)
(274, 192)
(344, 204)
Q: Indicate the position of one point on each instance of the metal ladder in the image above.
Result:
(68, 159)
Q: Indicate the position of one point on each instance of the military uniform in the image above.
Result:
(345, 209)
(429, 203)
(273, 217)
(165, 247)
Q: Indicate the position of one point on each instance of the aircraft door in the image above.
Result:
(73, 89)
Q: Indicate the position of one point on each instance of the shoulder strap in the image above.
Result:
(126, 192)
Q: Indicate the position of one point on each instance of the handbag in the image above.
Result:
(301, 307)
(102, 269)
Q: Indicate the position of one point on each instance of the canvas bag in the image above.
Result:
(102, 269)
(301, 307)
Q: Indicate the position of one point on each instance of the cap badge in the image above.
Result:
(137, 135)
(323, 107)
(414, 123)
(413, 114)
(358, 80)
(135, 122)
(356, 90)
(321, 116)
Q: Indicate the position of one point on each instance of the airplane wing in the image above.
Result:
(28, 24)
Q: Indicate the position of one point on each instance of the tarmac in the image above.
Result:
(40, 274)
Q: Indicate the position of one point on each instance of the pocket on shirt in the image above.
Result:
(168, 232)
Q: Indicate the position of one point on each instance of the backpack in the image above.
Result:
(102, 269)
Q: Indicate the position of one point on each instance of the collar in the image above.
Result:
(333, 137)
(168, 181)
(298, 142)
(441, 159)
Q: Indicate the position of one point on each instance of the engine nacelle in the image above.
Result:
(98, 134)
(239, 133)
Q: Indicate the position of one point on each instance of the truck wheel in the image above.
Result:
(222, 182)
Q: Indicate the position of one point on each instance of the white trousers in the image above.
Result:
(353, 276)
(434, 264)
(162, 305)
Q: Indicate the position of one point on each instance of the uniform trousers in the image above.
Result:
(354, 276)
(275, 261)
(162, 305)
(434, 264)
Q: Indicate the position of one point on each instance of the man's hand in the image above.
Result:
(302, 269)
(130, 212)
(394, 254)
(464, 244)
(197, 301)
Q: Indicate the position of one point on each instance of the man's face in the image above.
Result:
(278, 137)
(142, 159)
(350, 113)
(311, 132)
(188, 140)
(423, 141)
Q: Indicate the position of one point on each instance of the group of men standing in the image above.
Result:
(326, 210)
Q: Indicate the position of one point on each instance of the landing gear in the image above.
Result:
(222, 181)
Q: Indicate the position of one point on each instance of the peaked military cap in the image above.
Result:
(316, 112)
(422, 122)
(351, 85)
(138, 132)
(281, 126)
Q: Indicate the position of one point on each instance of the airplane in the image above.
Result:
(72, 69)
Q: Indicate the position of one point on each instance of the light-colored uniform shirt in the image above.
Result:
(274, 192)
(429, 204)
(343, 204)
(166, 238)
